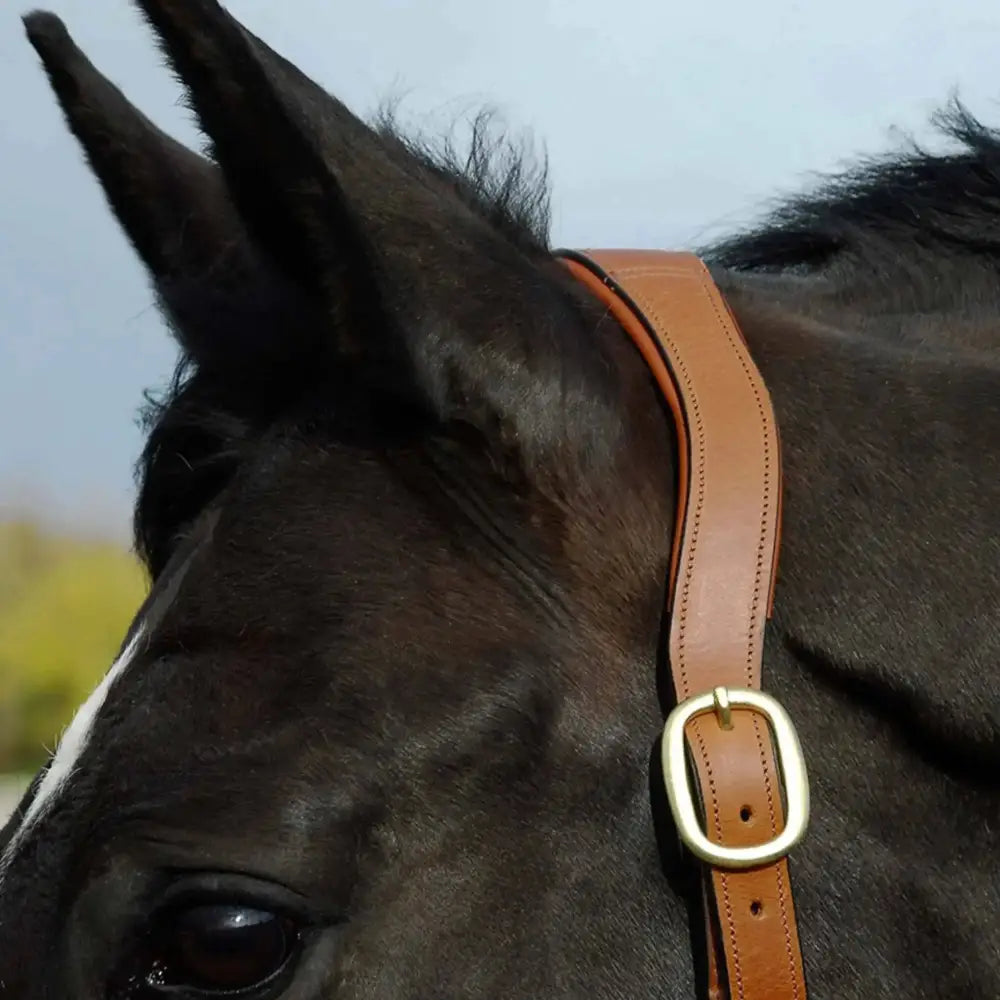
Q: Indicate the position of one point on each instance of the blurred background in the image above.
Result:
(665, 125)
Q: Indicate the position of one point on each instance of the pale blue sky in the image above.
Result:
(665, 123)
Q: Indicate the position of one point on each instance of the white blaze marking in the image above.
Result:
(74, 741)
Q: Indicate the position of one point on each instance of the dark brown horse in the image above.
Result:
(386, 726)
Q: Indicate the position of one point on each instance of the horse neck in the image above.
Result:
(885, 446)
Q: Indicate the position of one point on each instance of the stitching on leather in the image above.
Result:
(753, 640)
(782, 900)
(704, 282)
(685, 376)
(723, 878)
(751, 644)
(762, 540)
(683, 372)
(698, 506)
(767, 775)
(740, 351)
(785, 923)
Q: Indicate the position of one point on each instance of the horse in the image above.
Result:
(387, 724)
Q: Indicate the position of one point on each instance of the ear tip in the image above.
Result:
(47, 33)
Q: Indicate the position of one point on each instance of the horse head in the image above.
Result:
(384, 722)
(386, 725)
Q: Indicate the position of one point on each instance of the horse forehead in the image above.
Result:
(211, 607)
(85, 730)
(78, 736)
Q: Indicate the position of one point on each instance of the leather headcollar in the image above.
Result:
(750, 801)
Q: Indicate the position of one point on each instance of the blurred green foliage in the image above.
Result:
(65, 605)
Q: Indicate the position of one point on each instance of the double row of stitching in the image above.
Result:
(730, 471)
(698, 479)
(698, 475)
(755, 636)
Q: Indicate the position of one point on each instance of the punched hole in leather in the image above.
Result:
(721, 590)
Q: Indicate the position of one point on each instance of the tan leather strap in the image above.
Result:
(721, 589)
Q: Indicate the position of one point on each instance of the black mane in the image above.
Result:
(498, 178)
(916, 201)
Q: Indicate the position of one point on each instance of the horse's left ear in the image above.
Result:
(264, 120)
(221, 296)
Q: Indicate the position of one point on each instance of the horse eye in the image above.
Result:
(220, 948)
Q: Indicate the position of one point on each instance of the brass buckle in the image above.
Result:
(790, 763)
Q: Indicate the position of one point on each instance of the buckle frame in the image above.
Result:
(791, 765)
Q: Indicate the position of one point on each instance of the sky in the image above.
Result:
(665, 124)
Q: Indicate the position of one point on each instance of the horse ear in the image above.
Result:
(266, 124)
(173, 206)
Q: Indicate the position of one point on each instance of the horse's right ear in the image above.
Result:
(173, 206)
